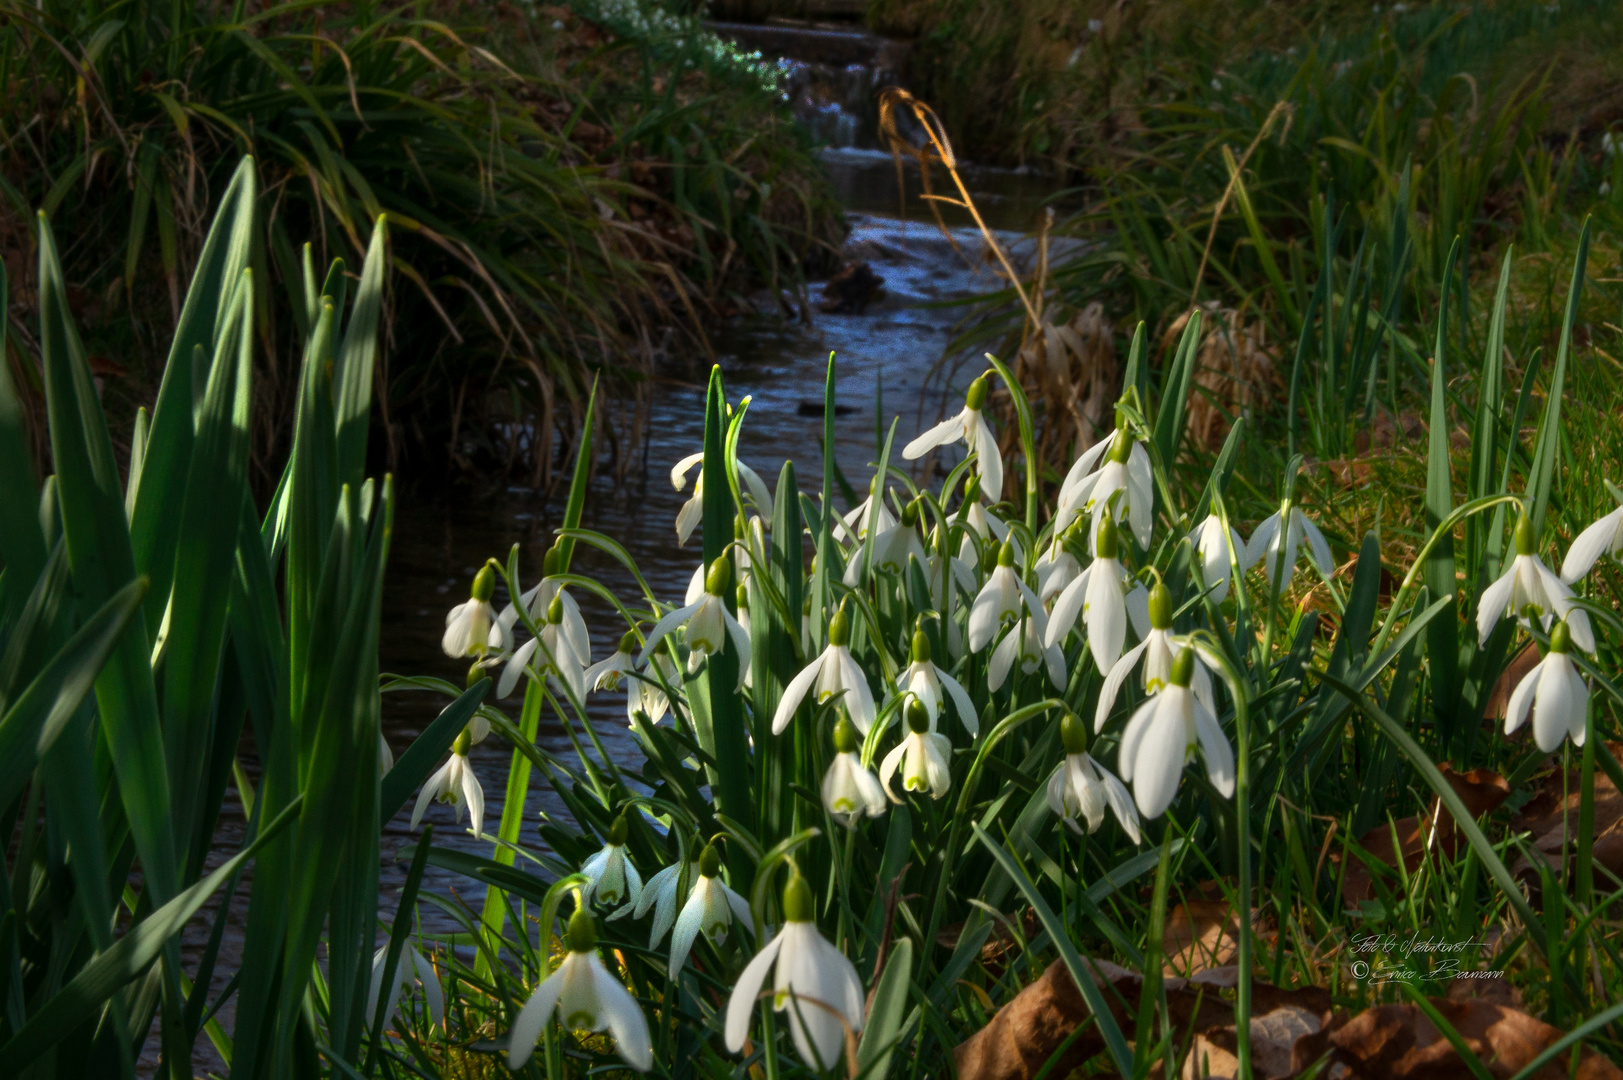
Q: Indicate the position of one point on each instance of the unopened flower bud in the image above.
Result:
(628, 642)
(582, 933)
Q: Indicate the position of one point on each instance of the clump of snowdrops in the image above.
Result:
(851, 758)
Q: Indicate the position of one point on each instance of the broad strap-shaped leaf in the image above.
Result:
(1442, 637)
(22, 545)
(91, 500)
(428, 750)
(80, 1001)
(354, 361)
(1548, 448)
(155, 521)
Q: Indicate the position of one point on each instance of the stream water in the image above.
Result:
(886, 354)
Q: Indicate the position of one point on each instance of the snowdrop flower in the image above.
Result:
(812, 982)
(1003, 597)
(969, 427)
(470, 627)
(973, 516)
(893, 548)
(537, 600)
(1056, 567)
(610, 876)
(849, 790)
(410, 960)
(661, 894)
(1126, 469)
(924, 756)
(645, 695)
(692, 512)
(606, 674)
(836, 675)
(1081, 787)
(1604, 537)
(1212, 544)
(587, 998)
(1556, 694)
(926, 683)
(1026, 644)
(1276, 548)
(456, 784)
(709, 624)
(869, 515)
(711, 907)
(559, 660)
(1099, 596)
(1162, 736)
(1528, 591)
(1159, 650)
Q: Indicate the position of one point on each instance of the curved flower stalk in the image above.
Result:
(1556, 695)
(1528, 591)
(1089, 491)
(645, 694)
(710, 909)
(837, 676)
(606, 674)
(537, 600)
(456, 784)
(587, 998)
(929, 686)
(610, 875)
(812, 982)
(1002, 598)
(1100, 597)
(413, 961)
(1214, 568)
(1081, 787)
(707, 623)
(1277, 548)
(471, 628)
(561, 661)
(1159, 650)
(925, 758)
(849, 790)
(970, 428)
(688, 518)
(1604, 537)
(1162, 736)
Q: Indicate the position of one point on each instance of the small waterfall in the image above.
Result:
(832, 74)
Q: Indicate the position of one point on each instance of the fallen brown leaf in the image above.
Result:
(1273, 1034)
(1398, 1042)
(1481, 790)
(1026, 1031)
(1200, 934)
(1515, 671)
(1551, 815)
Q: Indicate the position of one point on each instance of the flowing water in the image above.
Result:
(886, 355)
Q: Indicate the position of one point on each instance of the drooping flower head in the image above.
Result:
(813, 983)
(1126, 473)
(1556, 695)
(970, 428)
(1157, 651)
(1276, 546)
(470, 627)
(1081, 787)
(836, 676)
(413, 962)
(708, 624)
(849, 789)
(606, 674)
(1099, 596)
(692, 512)
(610, 875)
(710, 910)
(552, 656)
(456, 784)
(1531, 593)
(925, 758)
(1212, 543)
(587, 998)
(1162, 736)
(929, 685)
(1003, 598)
(1604, 537)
